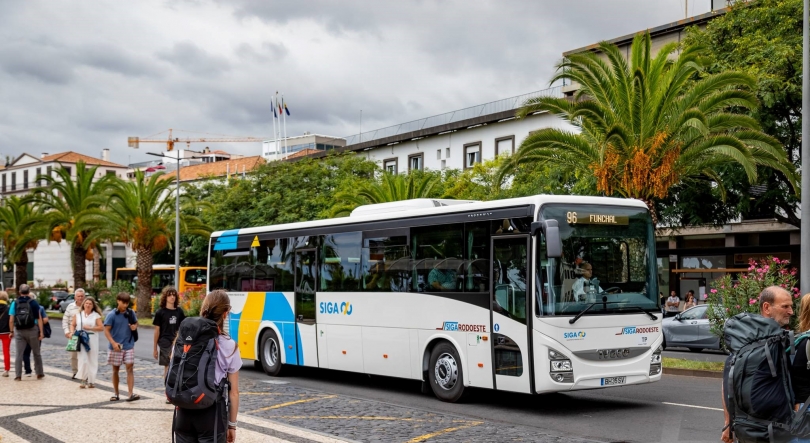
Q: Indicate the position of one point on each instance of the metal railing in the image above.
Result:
(506, 104)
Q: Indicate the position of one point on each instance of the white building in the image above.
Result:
(306, 144)
(51, 262)
(457, 139)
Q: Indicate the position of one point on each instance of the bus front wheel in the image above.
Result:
(445, 373)
(270, 353)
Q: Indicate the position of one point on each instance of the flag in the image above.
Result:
(273, 105)
(286, 109)
(279, 108)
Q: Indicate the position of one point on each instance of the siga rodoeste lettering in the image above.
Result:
(456, 326)
(629, 330)
(327, 307)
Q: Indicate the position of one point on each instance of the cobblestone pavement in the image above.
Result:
(275, 401)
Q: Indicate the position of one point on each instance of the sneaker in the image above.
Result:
(5, 374)
(17, 379)
(28, 374)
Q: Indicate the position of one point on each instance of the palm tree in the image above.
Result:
(142, 213)
(65, 200)
(20, 231)
(649, 125)
(390, 188)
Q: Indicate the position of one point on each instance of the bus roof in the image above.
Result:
(536, 200)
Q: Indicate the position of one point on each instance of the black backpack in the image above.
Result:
(23, 317)
(4, 319)
(759, 394)
(191, 382)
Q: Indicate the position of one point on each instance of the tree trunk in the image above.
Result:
(79, 268)
(144, 288)
(21, 271)
(96, 265)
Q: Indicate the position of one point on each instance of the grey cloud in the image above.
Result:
(189, 58)
(268, 52)
(40, 60)
(116, 59)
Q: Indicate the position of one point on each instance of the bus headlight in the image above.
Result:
(655, 359)
(561, 366)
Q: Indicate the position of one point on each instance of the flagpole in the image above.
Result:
(284, 116)
(273, 105)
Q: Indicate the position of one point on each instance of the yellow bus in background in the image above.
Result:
(191, 277)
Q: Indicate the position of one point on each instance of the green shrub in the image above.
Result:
(44, 297)
(728, 297)
(108, 298)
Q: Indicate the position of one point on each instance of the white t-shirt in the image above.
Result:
(83, 319)
(673, 299)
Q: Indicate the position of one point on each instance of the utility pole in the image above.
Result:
(177, 226)
(804, 256)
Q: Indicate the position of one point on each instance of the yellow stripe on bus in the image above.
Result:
(249, 324)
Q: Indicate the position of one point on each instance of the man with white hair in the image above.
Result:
(71, 312)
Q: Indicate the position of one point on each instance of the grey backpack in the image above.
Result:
(758, 390)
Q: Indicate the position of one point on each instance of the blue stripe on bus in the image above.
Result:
(227, 240)
(278, 310)
(289, 341)
(300, 346)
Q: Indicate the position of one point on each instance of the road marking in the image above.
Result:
(692, 406)
(290, 403)
(347, 417)
(442, 432)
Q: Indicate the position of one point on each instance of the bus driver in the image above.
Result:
(582, 284)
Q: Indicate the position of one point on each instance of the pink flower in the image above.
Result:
(776, 259)
(738, 306)
(726, 309)
(753, 301)
(714, 291)
(795, 295)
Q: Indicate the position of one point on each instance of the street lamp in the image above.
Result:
(804, 252)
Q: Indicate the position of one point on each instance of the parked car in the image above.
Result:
(65, 303)
(57, 297)
(690, 329)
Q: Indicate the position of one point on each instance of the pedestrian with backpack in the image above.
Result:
(757, 392)
(25, 322)
(800, 367)
(203, 377)
(5, 332)
(46, 333)
(120, 328)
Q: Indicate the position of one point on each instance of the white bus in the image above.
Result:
(535, 294)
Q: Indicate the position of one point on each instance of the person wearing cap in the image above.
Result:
(31, 336)
(70, 313)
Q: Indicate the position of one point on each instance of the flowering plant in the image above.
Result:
(191, 301)
(729, 297)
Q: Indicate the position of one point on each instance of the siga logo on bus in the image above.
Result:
(576, 335)
(630, 330)
(456, 326)
(327, 307)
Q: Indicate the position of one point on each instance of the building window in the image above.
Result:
(4, 183)
(25, 179)
(447, 153)
(416, 162)
(390, 165)
(67, 169)
(438, 154)
(49, 171)
(37, 179)
(13, 181)
(472, 154)
(444, 164)
(505, 145)
(111, 173)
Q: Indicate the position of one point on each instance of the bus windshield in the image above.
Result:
(608, 258)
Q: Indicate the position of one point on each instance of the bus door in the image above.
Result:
(509, 307)
(306, 278)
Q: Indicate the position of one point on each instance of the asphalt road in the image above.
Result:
(676, 409)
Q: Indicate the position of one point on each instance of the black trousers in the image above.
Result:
(197, 425)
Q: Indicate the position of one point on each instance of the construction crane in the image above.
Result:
(170, 140)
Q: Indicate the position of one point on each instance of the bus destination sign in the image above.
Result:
(574, 218)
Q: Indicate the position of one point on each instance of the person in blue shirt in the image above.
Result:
(27, 328)
(27, 352)
(119, 328)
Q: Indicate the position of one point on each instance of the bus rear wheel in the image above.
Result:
(270, 353)
(445, 373)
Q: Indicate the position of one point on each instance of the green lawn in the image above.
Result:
(678, 363)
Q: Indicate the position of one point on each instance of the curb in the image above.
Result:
(693, 373)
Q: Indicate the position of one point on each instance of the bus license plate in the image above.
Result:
(612, 381)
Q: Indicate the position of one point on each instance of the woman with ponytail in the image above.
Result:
(197, 425)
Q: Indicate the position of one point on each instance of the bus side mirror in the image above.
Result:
(551, 230)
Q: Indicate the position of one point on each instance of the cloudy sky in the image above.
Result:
(84, 75)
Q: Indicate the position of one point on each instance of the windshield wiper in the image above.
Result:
(640, 309)
(590, 305)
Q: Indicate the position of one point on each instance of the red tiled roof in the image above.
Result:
(75, 157)
(302, 153)
(216, 169)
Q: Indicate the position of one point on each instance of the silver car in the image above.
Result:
(690, 329)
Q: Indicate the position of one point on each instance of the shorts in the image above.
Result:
(116, 358)
(164, 356)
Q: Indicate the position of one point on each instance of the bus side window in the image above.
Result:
(438, 258)
(340, 262)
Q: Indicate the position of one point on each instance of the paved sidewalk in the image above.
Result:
(270, 410)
